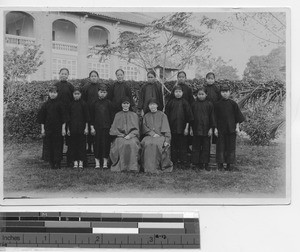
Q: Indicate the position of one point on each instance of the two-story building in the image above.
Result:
(67, 38)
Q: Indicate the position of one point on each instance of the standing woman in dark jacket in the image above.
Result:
(101, 119)
(52, 117)
(202, 129)
(187, 91)
(78, 129)
(187, 95)
(151, 90)
(118, 91)
(229, 117)
(180, 115)
(90, 95)
(64, 88)
(65, 95)
(213, 94)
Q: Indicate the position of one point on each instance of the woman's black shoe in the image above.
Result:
(206, 167)
(220, 167)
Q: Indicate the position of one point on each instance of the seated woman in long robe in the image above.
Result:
(156, 143)
(124, 152)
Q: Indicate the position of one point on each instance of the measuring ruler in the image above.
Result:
(99, 230)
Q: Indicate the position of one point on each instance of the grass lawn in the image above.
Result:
(262, 174)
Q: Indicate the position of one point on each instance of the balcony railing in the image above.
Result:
(15, 40)
(63, 47)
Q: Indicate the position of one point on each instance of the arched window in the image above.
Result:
(19, 28)
(98, 36)
(64, 31)
(64, 47)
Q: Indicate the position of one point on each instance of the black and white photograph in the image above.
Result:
(187, 104)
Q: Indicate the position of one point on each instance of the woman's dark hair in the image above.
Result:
(181, 72)
(151, 72)
(210, 74)
(79, 89)
(94, 71)
(120, 69)
(202, 88)
(64, 68)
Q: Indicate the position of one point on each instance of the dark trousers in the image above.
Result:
(53, 148)
(201, 150)
(225, 152)
(178, 148)
(77, 147)
(102, 143)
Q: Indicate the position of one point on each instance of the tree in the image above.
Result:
(272, 92)
(218, 66)
(266, 68)
(169, 39)
(19, 62)
(268, 27)
(265, 105)
(226, 72)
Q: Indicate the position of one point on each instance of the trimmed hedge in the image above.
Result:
(22, 101)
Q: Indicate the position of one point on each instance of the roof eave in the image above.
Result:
(107, 18)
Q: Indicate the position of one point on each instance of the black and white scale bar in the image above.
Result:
(100, 240)
(101, 230)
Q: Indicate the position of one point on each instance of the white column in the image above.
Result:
(83, 50)
(114, 62)
(43, 35)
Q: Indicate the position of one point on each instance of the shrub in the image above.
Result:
(22, 101)
(259, 123)
(19, 62)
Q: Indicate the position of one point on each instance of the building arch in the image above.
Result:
(64, 30)
(98, 35)
(19, 23)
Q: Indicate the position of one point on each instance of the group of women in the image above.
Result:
(136, 146)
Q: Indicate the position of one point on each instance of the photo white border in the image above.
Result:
(222, 228)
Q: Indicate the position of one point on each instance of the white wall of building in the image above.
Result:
(74, 36)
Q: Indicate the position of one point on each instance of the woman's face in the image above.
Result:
(120, 76)
(153, 107)
(77, 95)
(210, 79)
(181, 78)
(102, 94)
(53, 94)
(201, 95)
(151, 77)
(63, 75)
(225, 94)
(93, 77)
(125, 106)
